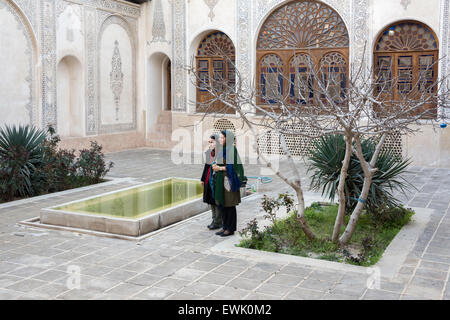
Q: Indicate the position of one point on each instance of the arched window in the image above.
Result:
(271, 78)
(334, 77)
(301, 80)
(215, 64)
(405, 62)
(295, 31)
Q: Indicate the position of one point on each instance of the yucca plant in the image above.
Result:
(326, 162)
(20, 152)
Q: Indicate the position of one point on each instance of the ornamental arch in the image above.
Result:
(292, 35)
(215, 63)
(406, 57)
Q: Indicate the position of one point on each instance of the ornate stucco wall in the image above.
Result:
(70, 61)
(117, 57)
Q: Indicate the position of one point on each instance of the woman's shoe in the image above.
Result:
(227, 233)
(212, 227)
(219, 233)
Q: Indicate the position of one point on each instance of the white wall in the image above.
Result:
(386, 12)
(15, 69)
(111, 34)
(70, 98)
(157, 87)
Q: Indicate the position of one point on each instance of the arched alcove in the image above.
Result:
(70, 99)
(159, 87)
(406, 55)
(18, 98)
(196, 44)
(117, 75)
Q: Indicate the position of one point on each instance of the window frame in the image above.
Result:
(415, 54)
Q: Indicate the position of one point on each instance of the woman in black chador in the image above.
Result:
(208, 181)
(228, 180)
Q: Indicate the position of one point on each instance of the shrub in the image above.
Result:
(326, 162)
(31, 163)
(91, 163)
(56, 170)
(20, 152)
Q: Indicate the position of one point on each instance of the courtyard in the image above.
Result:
(186, 261)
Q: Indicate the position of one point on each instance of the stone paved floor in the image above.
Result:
(178, 263)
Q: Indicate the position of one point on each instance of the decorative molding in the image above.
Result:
(211, 5)
(116, 77)
(114, 6)
(244, 40)
(444, 40)
(342, 7)
(405, 3)
(48, 51)
(104, 19)
(29, 9)
(179, 53)
(31, 105)
(60, 7)
(360, 48)
(159, 26)
(444, 36)
(91, 67)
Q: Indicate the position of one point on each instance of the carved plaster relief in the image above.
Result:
(159, 26)
(18, 67)
(48, 51)
(211, 5)
(120, 74)
(179, 52)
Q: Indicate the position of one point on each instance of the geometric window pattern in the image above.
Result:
(271, 70)
(216, 44)
(297, 34)
(301, 146)
(406, 36)
(334, 68)
(405, 59)
(303, 25)
(224, 124)
(302, 82)
(215, 67)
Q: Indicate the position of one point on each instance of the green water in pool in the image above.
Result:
(140, 201)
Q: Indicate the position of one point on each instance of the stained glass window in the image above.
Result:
(302, 82)
(334, 78)
(271, 78)
(300, 34)
(405, 57)
(406, 36)
(303, 25)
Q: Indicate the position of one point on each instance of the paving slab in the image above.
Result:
(179, 257)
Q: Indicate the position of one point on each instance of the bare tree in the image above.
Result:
(363, 102)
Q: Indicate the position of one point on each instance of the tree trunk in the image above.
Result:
(301, 213)
(369, 170)
(347, 235)
(341, 189)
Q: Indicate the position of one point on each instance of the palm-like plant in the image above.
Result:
(20, 152)
(326, 162)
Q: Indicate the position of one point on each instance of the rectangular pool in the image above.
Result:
(133, 211)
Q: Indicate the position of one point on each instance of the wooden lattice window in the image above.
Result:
(215, 65)
(302, 82)
(334, 75)
(271, 71)
(294, 31)
(405, 59)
